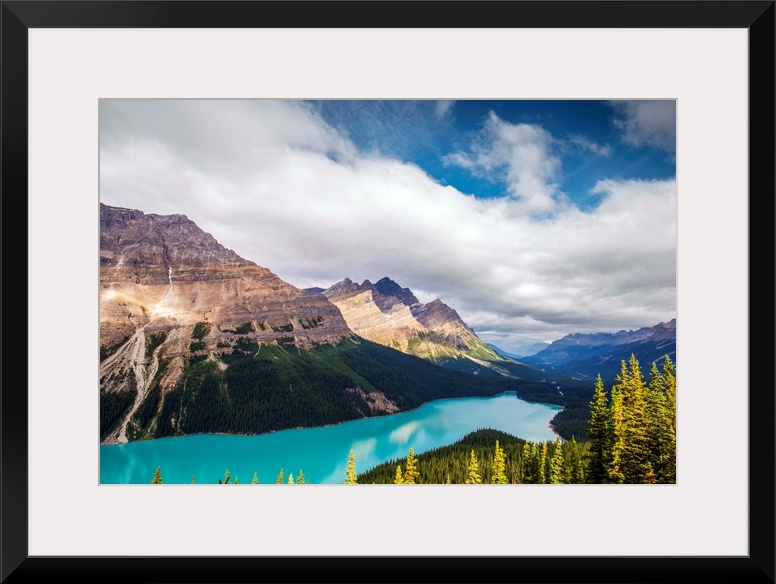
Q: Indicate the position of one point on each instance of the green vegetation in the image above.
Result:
(350, 472)
(114, 406)
(106, 352)
(473, 476)
(632, 431)
(632, 439)
(201, 329)
(281, 387)
(152, 341)
(287, 343)
(411, 472)
(284, 328)
(243, 347)
(489, 457)
(245, 328)
(499, 466)
(310, 323)
(140, 426)
(299, 480)
(482, 351)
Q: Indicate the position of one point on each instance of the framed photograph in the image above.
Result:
(639, 135)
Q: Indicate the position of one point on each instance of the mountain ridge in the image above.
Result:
(194, 338)
(585, 355)
(389, 314)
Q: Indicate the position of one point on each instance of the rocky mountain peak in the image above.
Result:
(342, 288)
(387, 313)
(388, 287)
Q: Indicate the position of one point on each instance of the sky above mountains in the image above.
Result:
(532, 219)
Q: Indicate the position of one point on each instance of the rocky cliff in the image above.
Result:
(169, 291)
(195, 339)
(165, 273)
(388, 314)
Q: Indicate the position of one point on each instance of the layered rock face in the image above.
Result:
(374, 316)
(170, 291)
(388, 314)
(162, 273)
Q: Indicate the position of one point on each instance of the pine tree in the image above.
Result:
(473, 476)
(300, 480)
(226, 480)
(577, 474)
(280, 479)
(255, 480)
(350, 473)
(668, 472)
(499, 466)
(614, 462)
(411, 473)
(192, 479)
(290, 478)
(658, 424)
(541, 476)
(636, 467)
(237, 480)
(398, 480)
(448, 479)
(556, 464)
(598, 431)
(157, 480)
(526, 464)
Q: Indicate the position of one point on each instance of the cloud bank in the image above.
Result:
(275, 183)
(647, 123)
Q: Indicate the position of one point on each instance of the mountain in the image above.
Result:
(195, 338)
(163, 273)
(521, 351)
(584, 356)
(392, 316)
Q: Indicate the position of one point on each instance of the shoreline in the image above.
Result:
(248, 435)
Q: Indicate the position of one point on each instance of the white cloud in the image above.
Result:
(647, 123)
(520, 155)
(281, 188)
(442, 108)
(594, 147)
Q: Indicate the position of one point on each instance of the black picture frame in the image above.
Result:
(19, 16)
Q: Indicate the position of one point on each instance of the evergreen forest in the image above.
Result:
(630, 438)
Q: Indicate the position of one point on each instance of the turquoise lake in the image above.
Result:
(322, 453)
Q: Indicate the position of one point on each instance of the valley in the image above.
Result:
(195, 339)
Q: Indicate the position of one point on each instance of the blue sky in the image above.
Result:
(532, 219)
(586, 136)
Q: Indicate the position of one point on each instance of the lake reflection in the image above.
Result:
(322, 453)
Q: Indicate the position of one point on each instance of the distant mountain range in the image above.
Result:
(521, 351)
(584, 356)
